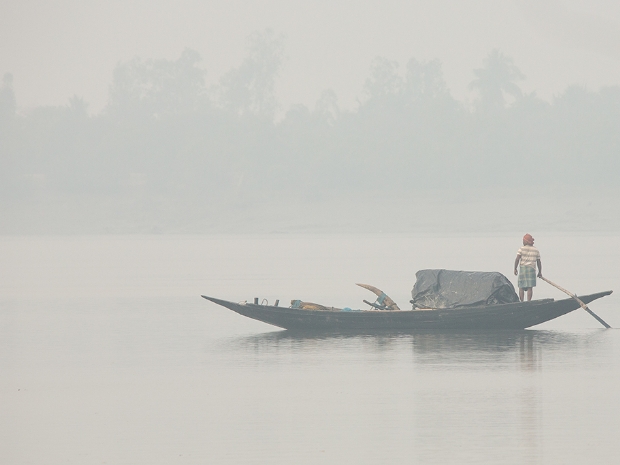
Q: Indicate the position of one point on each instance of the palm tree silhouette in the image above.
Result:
(495, 79)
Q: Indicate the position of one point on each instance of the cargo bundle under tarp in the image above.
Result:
(454, 289)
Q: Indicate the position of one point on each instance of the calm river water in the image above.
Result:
(109, 355)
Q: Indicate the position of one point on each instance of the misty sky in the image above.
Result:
(66, 47)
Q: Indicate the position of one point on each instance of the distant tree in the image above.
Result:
(495, 80)
(326, 108)
(78, 107)
(158, 88)
(424, 81)
(250, 88)
(422, 86)
(580, 125)
(575, 99)
(8, 141)
(384, 81)
(8, 104)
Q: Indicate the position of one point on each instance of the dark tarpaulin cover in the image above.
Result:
(452, 289)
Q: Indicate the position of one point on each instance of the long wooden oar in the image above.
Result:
(579, 301)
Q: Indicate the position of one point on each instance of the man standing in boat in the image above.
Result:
(528, 258)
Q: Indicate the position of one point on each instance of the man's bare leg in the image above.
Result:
(521, 294)
(530, 291)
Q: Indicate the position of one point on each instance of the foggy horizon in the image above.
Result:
(437, 116)
(555, 44)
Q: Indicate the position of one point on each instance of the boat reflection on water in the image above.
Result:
(442, 389)
(524, 348)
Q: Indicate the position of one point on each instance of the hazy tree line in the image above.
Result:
(166, 134)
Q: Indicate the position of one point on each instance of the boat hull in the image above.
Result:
(519, 315)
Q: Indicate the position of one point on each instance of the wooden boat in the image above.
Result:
(517, 315)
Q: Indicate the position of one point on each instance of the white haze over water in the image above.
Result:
(58, 49)
(109, 354)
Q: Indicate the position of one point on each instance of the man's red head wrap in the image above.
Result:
(528, 239)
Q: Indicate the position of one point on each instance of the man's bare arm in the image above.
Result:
(539, 263)
(517, 260)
